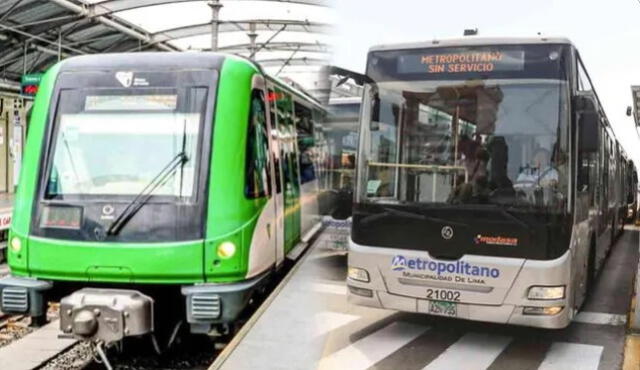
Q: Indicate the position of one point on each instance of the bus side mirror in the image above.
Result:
(589, 131)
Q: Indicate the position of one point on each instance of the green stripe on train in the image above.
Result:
(30, 171)
(230, 215)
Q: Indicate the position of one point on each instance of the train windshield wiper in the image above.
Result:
(143, 197)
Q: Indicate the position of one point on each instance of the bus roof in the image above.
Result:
(469, 41)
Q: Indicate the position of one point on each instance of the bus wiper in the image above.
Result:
(419, 216)
(143, 197)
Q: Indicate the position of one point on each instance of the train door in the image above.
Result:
(278, 196)
(288, 156)
(259, 184)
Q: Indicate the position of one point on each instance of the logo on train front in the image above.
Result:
(125, 78)
(398, 263)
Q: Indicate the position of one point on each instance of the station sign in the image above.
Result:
(29, 83)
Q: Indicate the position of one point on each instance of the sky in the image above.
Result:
(606, 33)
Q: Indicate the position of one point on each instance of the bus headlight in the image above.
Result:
(546, 292)
(226, 250)
(15, 244)
(358, 274)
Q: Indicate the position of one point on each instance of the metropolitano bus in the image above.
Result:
(489, 181)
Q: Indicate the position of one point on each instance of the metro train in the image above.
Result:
(159, 189)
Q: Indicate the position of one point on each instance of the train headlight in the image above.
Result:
(226, 250)
(358, 274)
(15, 244)
(546, 292)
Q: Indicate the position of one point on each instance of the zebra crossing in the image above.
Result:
(410, 342)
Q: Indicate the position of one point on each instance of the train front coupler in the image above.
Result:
(106, 315)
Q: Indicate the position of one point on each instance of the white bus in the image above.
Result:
(489, 181)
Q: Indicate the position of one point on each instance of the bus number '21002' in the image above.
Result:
(443, 295)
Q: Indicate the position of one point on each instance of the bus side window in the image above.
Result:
(258, 162)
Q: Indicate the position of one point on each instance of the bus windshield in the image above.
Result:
(500, 141)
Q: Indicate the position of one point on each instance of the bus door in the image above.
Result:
(603, 206)
(276, 149)
(289, 164)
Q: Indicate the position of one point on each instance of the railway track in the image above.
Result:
(13, 327)
(189, 351)
(9, 320)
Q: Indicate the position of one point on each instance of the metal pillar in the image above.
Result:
(24, 57)
(215, 12)
(252, 40)
(59, 44)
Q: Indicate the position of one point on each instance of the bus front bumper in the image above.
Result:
(503, 301)
(502, 314)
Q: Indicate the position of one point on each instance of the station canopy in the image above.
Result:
(289, 38)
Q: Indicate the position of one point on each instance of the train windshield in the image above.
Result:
(113, 142)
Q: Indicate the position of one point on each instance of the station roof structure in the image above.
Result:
(289, 38)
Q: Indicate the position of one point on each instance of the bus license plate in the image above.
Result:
(443, 308)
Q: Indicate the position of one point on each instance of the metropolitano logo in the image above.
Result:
(398, 263)
(402, 263)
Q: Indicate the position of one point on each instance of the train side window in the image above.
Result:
(306, 142)
(258, 162)
(272, 98)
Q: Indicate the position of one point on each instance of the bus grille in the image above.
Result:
(15, 299)
(205, 307)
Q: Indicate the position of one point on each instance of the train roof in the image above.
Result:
(474, 41)
(185, 60)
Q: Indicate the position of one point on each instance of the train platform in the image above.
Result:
(34, 349)
(308, 324)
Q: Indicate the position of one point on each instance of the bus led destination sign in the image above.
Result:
(463, 61)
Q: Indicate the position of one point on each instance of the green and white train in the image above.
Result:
(158, 188)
